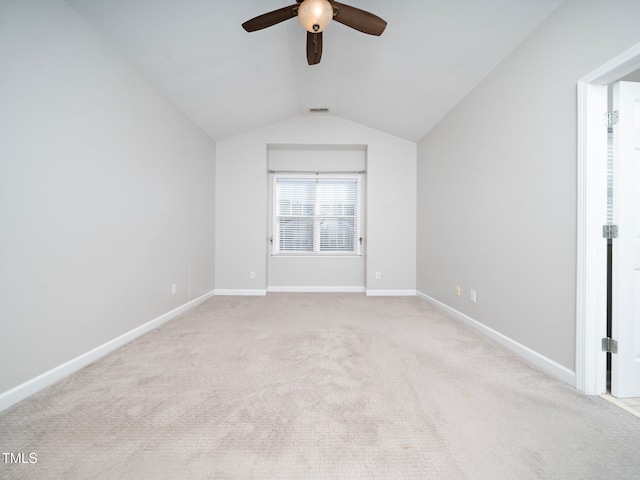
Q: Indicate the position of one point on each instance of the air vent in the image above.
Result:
(319, 110)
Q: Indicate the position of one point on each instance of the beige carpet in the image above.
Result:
(324, 386)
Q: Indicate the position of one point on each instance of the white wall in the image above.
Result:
(106, 193)
(242, 183)
(497, 182)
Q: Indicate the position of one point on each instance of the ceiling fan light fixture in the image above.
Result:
(315, 15)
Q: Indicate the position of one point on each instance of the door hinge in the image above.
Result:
(609, 231)
(612, 118)
(609, 345)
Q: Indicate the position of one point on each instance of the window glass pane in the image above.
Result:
(337, 197)
(295, 234)
(295, 197)
(338, 235)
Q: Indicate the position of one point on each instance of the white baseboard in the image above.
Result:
(28, 388)
(315, 289)
(545, 364)
(239, 292)
(390, 293)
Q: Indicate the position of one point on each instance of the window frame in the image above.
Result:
(314, 177)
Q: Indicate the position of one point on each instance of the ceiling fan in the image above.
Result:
(315, 16)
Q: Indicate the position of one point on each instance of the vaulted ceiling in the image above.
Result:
(229, 81)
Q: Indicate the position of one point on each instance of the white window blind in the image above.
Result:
(318, 215)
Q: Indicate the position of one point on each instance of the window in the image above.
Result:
(317, 215)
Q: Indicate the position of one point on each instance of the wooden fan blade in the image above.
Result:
(314, 48)
(360, 20)
(269, 19)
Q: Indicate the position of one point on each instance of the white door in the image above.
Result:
(625, 365)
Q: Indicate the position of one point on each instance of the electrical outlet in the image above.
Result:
(377, 275)
(472, 296)
(458, 291)
(252, 275)
(174, 289)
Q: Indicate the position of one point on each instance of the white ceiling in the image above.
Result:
(230, 81)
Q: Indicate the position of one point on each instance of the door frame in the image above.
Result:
(591, 266)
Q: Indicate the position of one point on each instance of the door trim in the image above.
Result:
(591, 281)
